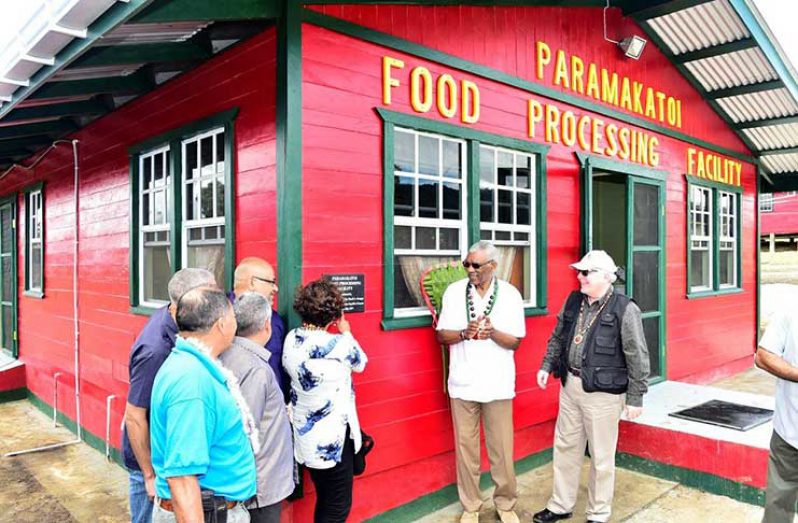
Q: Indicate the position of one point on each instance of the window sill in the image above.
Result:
(535, 311)
(719, 292)
(39, 295)
(143, 311)
(411, 322)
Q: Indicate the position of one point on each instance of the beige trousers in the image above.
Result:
(497, 417)
(592, 419)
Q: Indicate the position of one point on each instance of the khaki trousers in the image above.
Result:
(497, 417)
(592, 419)
(782, 490)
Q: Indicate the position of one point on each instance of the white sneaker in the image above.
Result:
(470, 517)
(508, 516)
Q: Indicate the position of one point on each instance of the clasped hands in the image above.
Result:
(479, 329)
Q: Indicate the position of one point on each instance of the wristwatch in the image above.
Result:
(463, 335)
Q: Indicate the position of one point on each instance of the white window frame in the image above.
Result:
(34, 209)
(513, 228)
(701, 242)
(766, 202)
(727, 234)
(150, 193)
(437, 223)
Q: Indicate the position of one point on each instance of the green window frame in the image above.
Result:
(34, 241)
(719, 238)
(185, 211)
(527, 194)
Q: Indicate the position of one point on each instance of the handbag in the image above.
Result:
(359, 461)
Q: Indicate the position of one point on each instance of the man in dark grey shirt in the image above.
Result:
(249, 361)
(598, 350)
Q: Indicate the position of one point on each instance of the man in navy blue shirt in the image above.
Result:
(257, 275)
(148, 353)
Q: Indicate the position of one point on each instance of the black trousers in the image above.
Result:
(334, 487)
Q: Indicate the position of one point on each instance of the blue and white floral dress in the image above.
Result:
(320, 366)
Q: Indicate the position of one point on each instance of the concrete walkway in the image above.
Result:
(70, 484)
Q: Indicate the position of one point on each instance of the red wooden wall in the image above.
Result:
(400, 399)
(783, 219)
(244, 77)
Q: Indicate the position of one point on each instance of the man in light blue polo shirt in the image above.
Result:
(200, 428)
(778, 354)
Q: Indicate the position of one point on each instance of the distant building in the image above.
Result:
(778, 219)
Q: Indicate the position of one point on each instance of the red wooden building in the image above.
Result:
(376, 139)
(779, 218)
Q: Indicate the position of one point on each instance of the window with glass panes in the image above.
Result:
(766, 202)
(714, 241)
(182, 201)
(700, 238)
(448, 187)
(506, 196)
(155, 267)
(35, 246)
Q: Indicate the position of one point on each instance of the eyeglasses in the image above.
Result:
(476, 266)
(273, 282)
(585, 273)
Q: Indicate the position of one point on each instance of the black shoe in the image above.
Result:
(547, 516)
(593, 521)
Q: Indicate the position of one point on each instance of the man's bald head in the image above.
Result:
(255, 274)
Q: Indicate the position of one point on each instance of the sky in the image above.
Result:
(781, 15)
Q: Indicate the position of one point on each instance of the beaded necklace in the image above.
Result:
(470, 312)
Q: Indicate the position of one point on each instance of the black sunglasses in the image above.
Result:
(273, 282)
(585, 273)
(476, 266)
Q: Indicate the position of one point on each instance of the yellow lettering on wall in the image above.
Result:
(552, 121)
(581, 135)
(388, 81)
(469, 111)
(626, 94)
(542, 57)
(623, 138)
(691, 161)
(592, 82)
(653, 155)
(534, 115)
(651, 110)
(420, 89)
(561, 70)
(568, 128)
(637, 95)
(446, 91)
(611, 135)
(609, 87)
(596, 131)
(661, 106)
(577, 71)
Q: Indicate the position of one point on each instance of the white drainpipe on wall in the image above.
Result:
(74, 303)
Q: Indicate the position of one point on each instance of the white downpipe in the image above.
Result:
(55, 398)
(74, 305)
(108, 401)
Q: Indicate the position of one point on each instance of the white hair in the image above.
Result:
(487, 247)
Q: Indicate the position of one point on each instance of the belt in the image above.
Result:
(168, 506)
(575, 372)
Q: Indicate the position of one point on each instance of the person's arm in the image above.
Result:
(554, 348)
(451, 337)
(635, 351)
(186, 499)
(775, 365)
(138, 433)
(502, 339)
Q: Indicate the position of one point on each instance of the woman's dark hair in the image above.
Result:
(319, 303)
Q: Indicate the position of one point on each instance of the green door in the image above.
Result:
(627, 219)
(8, 277)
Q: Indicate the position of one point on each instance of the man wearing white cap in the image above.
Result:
(599, 352)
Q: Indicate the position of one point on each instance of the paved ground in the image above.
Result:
(70, 484)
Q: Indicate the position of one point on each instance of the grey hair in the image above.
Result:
(610, 276)
(252, 310)
(199, 309)
(487, 247)
(186, 279)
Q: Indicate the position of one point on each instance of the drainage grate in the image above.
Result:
(725, 414)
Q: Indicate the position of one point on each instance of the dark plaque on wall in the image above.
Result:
(353, 288)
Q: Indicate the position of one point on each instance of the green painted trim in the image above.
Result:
(392, 324)
(173, 139)
(166, 11)
(412, 48)
(34, 129)
(13, 395)
(775, 152)
(23, 145)
(767, 122)
(95, 442)
(694, 180)
(692, 478)
(706, 294)
(605, 164)
(715, 50)
(188, 51)
(473, 139)
(114, 16)
(586, 204)
(664, 8)
(138, 82)
(38, 186)
(745, 89)
(83, 107)
(758, 257)
(289, 156)
(447, 495)
(142, 311)
(12, 201)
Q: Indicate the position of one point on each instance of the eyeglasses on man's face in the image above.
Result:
(586, 273)
(266, 280)
(476, 266)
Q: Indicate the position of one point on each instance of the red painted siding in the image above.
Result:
(400, 397)
(783, 219)
(242, 77)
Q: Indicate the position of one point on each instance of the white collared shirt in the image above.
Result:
(781, 338)
(482, 370)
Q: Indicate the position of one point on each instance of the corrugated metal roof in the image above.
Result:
(774, 136)
(130, 34)
(749, 66)
(780, 163)
(700, 26)
(758, 106)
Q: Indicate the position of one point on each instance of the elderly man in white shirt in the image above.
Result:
(778, 354)
(482, 322)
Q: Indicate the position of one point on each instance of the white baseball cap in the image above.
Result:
(596, 260)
